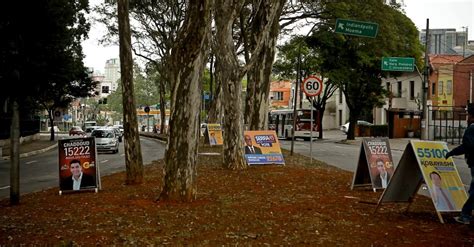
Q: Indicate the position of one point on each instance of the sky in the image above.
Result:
(441, 14)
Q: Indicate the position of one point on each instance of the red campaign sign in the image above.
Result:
(77, 164)
(312, 86)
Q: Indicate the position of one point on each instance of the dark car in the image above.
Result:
(76, 131)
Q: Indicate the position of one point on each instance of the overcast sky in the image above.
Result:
(441, 13)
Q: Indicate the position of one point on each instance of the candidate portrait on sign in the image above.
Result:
(441, 196)
(249, 147)
(382, 177)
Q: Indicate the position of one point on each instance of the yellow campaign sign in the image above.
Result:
(215, 134)
(441, 175)
(262, 147)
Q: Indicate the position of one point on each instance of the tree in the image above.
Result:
(290, 53)
(156, 24)
(41, 61)
(353, 63)
(188, 59)
(230, 73)
(133, 154)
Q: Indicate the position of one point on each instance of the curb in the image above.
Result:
(23, 155)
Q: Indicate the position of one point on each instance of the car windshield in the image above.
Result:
(102, 134)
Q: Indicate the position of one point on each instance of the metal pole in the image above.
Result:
(424, 133)
(295, 101)
(311, 133)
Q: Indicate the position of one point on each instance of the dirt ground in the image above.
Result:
(296, 204)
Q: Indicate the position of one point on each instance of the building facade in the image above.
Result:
(112, 73)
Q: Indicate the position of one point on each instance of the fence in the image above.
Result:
(446, 123)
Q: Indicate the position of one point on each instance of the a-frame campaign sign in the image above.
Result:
(424, 162)
(375, 165)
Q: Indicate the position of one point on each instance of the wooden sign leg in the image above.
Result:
(439, 216)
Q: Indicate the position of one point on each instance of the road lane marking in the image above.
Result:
(4, 187)
(31, 162)
(122, 155)
(104, 161)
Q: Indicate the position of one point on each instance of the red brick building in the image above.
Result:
(463, 86)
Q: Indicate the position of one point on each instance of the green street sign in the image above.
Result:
(357, 28)
(405, 64)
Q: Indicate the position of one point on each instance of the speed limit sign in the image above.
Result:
(312, 86)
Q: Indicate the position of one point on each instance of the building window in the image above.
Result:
(387, 84)
(440, 88)
(399, 89)
(449, 87)
(277, 95)
(433, 89)
(412, 90)
(105, 89)
(340, 96)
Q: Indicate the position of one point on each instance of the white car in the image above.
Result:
(106, 140)
(345, 127)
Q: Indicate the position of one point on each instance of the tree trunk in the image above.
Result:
(162, 106)
(228, 70)
(188, 59)
(259, 79)
(261, 74)
(15, 155)
(215, 109)
(133, 154)
(51, 120)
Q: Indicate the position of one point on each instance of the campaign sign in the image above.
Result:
(375, 165)
(262, 147)
(424, 162)
(214, 132)
(78, 168)
(440, 174)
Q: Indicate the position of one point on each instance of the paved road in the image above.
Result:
(345, 156)
(41, 171)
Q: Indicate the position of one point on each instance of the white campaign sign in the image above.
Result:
(312, 86)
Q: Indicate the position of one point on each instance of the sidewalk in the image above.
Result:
(31, 147)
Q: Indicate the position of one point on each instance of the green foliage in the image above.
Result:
(42, 59)
(354, 63)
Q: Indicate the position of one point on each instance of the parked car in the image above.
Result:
(118, 133)
(120, 127)
(90, 129)
(345, 127)
(76, 131)
(106, 140)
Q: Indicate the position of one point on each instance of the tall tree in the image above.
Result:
(258, 84)
(156, 23)
(41, 61)
(133, 154)
(353, 63)
(188, 59)
(231, 73)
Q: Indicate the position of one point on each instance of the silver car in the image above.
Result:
(106, 140)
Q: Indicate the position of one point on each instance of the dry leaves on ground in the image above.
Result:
(296, 204)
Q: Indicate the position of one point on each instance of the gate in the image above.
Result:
(446, 123)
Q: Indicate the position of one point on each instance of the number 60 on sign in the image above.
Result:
(312, 86)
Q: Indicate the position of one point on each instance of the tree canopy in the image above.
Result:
(354, 63)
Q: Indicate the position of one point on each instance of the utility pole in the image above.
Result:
(297, 85)
(424, 120)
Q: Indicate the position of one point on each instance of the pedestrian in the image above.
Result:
(467, 148)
